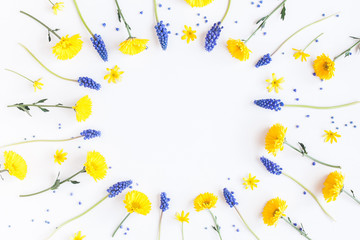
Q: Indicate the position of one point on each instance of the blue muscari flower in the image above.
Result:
(100, 47)
(229, 197)
(164, 202)
(212, 35)
(117, 188)
(90, 133)
(271, 166)
(272, 104)
(265, 60)
(89, 83)
(163, 34)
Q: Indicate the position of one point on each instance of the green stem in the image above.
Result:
(156, 13)
(121, 224)
(78, 216)
(41, 140)
(182, 230)
(301, 232)
(49, 29)
(307, 190)
(216, 227)
(312, 41)
(4, 170)
(317, 107)
(347, 50)
(351, 195)
(253, 233)
(19, 74)
(67, 79)
(315, 160)
(51, 2)
(227, 10)
(160, 225)
(121, 16)
(308, 25)
(82, 19)
(43, 106)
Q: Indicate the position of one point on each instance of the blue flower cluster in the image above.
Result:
(163, 34)
(89, 83)
(229, 197)
(272, 104)
(117, 188)
(271, 166)
(164, 202)
(100, 47)
(212, 36)
(265, 60)
(90, 133)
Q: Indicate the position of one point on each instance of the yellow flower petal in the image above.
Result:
(273, 211)
(83, 108)
(138, 202)
(133, 46)
(68, 47)
(333, 186)
(205, 201)
(324, 67)
(238, 49)
(15, 164)
(95, 165)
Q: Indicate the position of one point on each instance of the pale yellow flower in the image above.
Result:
(331, 136)
(189, 34)
(274, 83)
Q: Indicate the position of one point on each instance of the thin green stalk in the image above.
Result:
(47, 69)
(317, 107)
(301, 232)
(322, 19)
(216, 227)
(41, 140)
(82, 19)
(121, 224)
(51, 2)
(78, 216)
(160, 225)
(156, 13)
(4, 170)
(312, 41)
(121, 16)
(347, 50)
(351, 195)
(49, 29)
(253, 233)
(19, 74)
(42, 106)
(227, 10)
(307, 190)
(182, 230)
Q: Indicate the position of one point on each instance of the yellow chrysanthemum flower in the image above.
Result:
(333, 186)
(83, 108)
(324, 67)
(300, 53)
(199, 3)
(250, 182)
(78, 236)
(95, 165)
(238, 49)
(138, 202)
(114, 75)
(68, 47)
(57, 7)
(133, 46)
(15, 164)
(274, 83)
(274, 140)
(205, 201)
(273, 211)
(37, 84)
(60, 156)
(331, 136)
(182, 217)
(189, 34)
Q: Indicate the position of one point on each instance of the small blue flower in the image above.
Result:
(164, 202)
(100, 47)
(90, 133)
(212, 36)
(89, 83)
(117, 188)
(265, 60)
(229, 197)
(163, 34)
(272, 104)
(271, 166)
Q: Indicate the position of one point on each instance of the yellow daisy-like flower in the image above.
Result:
(57, 7)
(274, 83)
(68, 47)
(95, 165)
(189, 34)
(182, 217)
(250, 182)
(114, 75)
(133, 46)
(274, 140)
(138, 202)
(60, 156)
(78, 236)
(238, 49)
(199, 3)
(300, 53)
(37, 84)
(331, 136)
(324, 67)
(205, 201)
(273, 211)
(15, 164)
(83, 108)
(333, 186)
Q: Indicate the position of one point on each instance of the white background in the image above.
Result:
(181, 121)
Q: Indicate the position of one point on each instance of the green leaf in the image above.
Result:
(49, 37)
(283, 12)
(119, 16)
(59, 104)
(355, 38)
(44, 109)
(261, 20)
(56, 184)
(289, 219)
(303, 148)
(347, 54)
(74, 182)
(42, 100)
(21, 109)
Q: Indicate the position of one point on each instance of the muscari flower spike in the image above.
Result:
(100, 47)
(265, 60)
(212, 36)
(162, 34)
(229, 197)
(271, 166)
(90, 133)
(164, 202)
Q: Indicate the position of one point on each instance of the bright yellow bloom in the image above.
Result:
(133, 46)
(57, 7)
(15, 165)
(95, 165)
(37, 84)
(114, 75)
(300, 53)
(60, 156)
(273, 211)
(182, 217)
(138, 202)
(324, 67)
(198, 3)
(250, 182)
(274, 140)
(189, 34)
(83, 108)
(331, 136)
(205, 201)
(68, 47)
(78, 236)
(333, 186)
(275, 83)
(238, 49)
